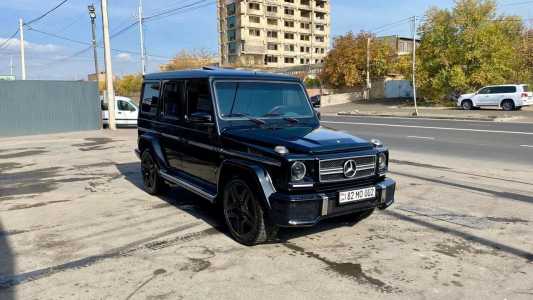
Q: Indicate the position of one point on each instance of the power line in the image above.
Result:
(46, 13)
(4, 44)
(169, 12)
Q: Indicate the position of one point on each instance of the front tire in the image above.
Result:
(153, 184)
(467, 105)
(244, 215)
(508, 105)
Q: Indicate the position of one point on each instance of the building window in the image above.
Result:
(289, 60)
(289, 24)
(231, 9)
(304, 37)
(255, 6)
(232, 48)
(254, 32)
(231, 22)
(289, 36)
(272, 34)
(231, 35)
(289, 1)
(304, 2)
(305, 26)
(272, 9)
(305, 49)
(254, 19)
(272, 46)
(319, 39)
(320, 16)
(305, 14)
(289, 48)
(273, 22)
(319, 27)
(289, 11)
(271, 59)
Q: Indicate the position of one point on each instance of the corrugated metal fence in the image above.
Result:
(39, 107)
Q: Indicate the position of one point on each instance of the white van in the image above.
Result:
(126, 112)
(508, 97)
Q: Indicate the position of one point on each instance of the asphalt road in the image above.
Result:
(473, 140)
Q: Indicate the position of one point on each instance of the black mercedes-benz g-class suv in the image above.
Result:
(252, 143)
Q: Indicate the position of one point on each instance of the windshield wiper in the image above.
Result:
(288, 119)
(248, 117)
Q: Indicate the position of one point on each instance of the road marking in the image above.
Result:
(421, 137)
(527, 146)
(429, 127)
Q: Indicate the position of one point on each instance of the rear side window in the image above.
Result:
(150, 97)
(526, 88)
(198, 96)
(504, 90)
(173, 95)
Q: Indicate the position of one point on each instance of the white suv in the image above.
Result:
(508, 97)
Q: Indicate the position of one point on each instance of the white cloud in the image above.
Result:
(124, 57)
(14, 44)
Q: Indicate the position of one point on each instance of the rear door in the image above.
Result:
(171, 116)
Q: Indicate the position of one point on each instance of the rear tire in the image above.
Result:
(152, 182)
(508, 105)
(244, 214)
(467, 105)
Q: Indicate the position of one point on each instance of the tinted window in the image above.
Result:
(503, 90)
(198, 96)
(150, 97)
(485, 91)
(525, 88)
(262, 99)
(173, 93)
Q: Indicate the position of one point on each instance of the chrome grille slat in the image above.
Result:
(332, 170)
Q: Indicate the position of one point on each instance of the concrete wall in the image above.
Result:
(342, 98)
(39, 107)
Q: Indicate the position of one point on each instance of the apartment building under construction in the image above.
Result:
(273, 33)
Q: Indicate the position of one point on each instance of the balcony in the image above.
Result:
(253, 48)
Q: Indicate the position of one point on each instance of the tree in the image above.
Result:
(467, 47)
(345, 65)
(190, 60)
(128, 85)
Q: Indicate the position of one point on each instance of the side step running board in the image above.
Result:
(188, 186)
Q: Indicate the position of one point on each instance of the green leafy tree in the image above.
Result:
(128, 85)
(345, 64)
(467, 47)
(190, 60)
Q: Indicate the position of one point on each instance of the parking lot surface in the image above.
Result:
(75, 223)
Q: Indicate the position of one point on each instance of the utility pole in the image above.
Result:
(92, 15)
(368, 83)
(110, 93)
(141, 35)
(414, 65)
(22, 54)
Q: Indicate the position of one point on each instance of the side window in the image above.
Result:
(122, 105)
(508, 89)
(199, 97)
(150, 97)
(173, 94)
(485, 91)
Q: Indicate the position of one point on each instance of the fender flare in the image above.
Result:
(151, 141)
(256, 172)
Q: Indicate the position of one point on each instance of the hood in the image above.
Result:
(463, 96)
(300, 139)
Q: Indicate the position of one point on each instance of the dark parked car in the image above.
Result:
(315, 101)
(252, 143)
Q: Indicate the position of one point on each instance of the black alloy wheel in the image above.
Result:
(150, 173)
(467, 105)
(508, 105)
(244, 215)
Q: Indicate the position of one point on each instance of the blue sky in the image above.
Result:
(51, 58)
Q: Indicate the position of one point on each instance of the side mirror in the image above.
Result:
(201, 117)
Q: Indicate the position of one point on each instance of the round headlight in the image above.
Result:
(298, 171)
(382, 161)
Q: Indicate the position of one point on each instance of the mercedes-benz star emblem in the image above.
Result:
(350, 168)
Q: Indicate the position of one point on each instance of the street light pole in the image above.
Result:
(110, 93)
(92, 15)
(368, 83)
(141, 35)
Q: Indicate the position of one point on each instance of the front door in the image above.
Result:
(483, 97)
(201, 157)
(126, 113)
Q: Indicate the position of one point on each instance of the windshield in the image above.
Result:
(262, 100)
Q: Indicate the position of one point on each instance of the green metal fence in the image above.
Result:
(40, 107)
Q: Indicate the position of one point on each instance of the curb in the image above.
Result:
(487, 119)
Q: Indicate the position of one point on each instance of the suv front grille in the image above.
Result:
(332, 170)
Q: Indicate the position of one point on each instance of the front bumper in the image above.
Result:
(308, 209)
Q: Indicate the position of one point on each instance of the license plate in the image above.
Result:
(357, 195)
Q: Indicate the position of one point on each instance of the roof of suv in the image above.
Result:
(218, 73)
